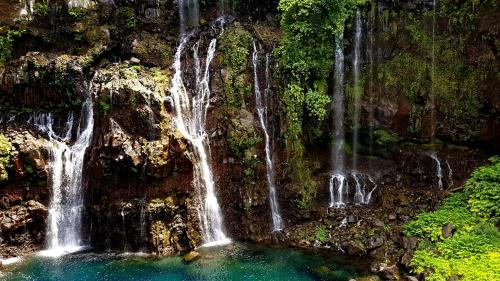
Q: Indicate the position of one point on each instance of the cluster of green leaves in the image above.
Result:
(126, 17)
(321, 234)
(7, 40)
(240, 141)
(41, 9)
(384, 137)
(484, 190)
(5, 154)
(473, 252)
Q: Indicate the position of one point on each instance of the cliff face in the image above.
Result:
(138, 175)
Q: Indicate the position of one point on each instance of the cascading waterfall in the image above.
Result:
(65, 170)
(357, 89)
(263, 119)
(190, 107)
(439, 170)
(338, 183)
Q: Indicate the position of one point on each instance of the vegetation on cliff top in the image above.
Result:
(472, 249)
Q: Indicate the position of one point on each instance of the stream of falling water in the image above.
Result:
(439, 170)
(65, 169)
(338, 182)
(190, 107)
(263, 119)
(357, 89)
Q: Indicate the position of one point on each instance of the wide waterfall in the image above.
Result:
(190, 106)
(262, 109)
(338, 183)
(65, 170)
(357, 90)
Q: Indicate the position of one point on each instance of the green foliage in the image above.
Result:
(240, 141)
(5, 155)
(7, 39)
(77, 13)
(321, 234)
(473, 252)
(484, 189)
(126, 17)
(306, 52)
(41, 9)
(385, 138)
(104, 106)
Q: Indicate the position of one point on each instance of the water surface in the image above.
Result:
(233, 262)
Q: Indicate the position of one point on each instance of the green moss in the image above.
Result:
(236, 45)
(385, 138)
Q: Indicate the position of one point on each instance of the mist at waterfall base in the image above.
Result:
(232, 262)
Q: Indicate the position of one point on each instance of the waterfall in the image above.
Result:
(363, 182)
(357, 89)
(263, 119)
(27, 10)
(79, 3)
(190, 107)
(65, 169)
(338, 180)
(439, 170)
(189, 14)
(450, 174)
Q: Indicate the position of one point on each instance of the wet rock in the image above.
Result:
(378, 223)
(354, 247)
(411, 278)
(374, 242)
(351, 219)
(191, 256)
(388, 271)
(448, 230)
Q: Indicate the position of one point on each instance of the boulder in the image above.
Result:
(191, 256)
(448, 230)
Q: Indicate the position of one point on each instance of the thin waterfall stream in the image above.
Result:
(357, 89)
(338, 182)
(262, 110)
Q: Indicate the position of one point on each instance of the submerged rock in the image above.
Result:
(191, 256)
